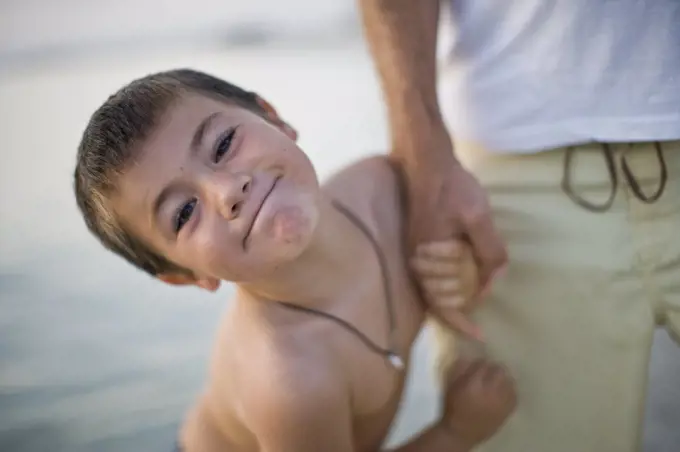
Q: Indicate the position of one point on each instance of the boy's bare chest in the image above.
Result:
(376, 386)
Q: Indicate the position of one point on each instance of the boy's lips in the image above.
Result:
(258, 209)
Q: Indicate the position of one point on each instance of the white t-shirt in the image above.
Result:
(529, 75)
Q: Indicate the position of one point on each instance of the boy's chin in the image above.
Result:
(288, 248)
(292, 227)
(291, 231)
(288, 235)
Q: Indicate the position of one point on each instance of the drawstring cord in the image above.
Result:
(608, 154)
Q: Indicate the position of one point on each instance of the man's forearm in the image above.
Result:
(436, 438)
(402, 38)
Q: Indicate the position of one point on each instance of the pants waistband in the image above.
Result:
(599, 169)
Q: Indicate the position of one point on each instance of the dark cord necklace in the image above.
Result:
(390, 353)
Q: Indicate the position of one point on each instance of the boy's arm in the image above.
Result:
(200, 431)
(322, 422)
(301, 412)
(435, 438)
(311, 412)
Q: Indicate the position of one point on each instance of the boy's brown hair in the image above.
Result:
(111, 141)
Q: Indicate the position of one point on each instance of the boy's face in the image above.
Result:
(220, 191)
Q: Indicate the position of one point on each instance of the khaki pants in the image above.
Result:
(574, 316)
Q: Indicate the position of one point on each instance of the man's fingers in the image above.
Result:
(488, 247)
(495, 276)
(461, 323)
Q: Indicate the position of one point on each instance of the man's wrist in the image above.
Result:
(423, 148)
(415, 117)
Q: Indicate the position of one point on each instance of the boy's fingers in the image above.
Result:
(489, 249)
(441, 286)
(505, 379)
(494, 375)
(431, 267)
(444, 249)
(459, 367)
(450, 302)
(463, 370)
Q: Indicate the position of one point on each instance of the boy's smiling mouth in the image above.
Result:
(257, 211)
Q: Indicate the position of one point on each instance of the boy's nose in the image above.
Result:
(231, 194)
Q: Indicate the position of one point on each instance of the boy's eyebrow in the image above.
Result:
(196, 141)
(200, 131)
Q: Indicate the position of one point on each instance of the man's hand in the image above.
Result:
(446, 201)
(449, 277)
(479, 397)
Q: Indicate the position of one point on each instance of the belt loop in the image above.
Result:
(635, 186)
(613, 177)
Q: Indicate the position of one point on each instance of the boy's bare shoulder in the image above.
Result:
(297, 398)
(263, 382)
(376, 178)
(289, 382)
(258, 369)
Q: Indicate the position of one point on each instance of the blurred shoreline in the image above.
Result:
(36, 33)
(248, 37)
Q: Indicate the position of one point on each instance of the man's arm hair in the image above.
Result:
(402, 38)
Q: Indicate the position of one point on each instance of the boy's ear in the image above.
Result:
(274, 118)
(179, 279)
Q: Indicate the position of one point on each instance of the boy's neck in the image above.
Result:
(330, 267)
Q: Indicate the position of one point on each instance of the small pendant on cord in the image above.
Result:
(396, 361)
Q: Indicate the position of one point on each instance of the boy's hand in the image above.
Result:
(448, 274)
(479, 396)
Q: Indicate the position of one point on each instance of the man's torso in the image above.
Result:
(527, 75)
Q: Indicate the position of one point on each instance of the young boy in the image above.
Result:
(195, 181)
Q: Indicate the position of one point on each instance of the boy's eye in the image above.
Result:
(223, 144)
(184, 214)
